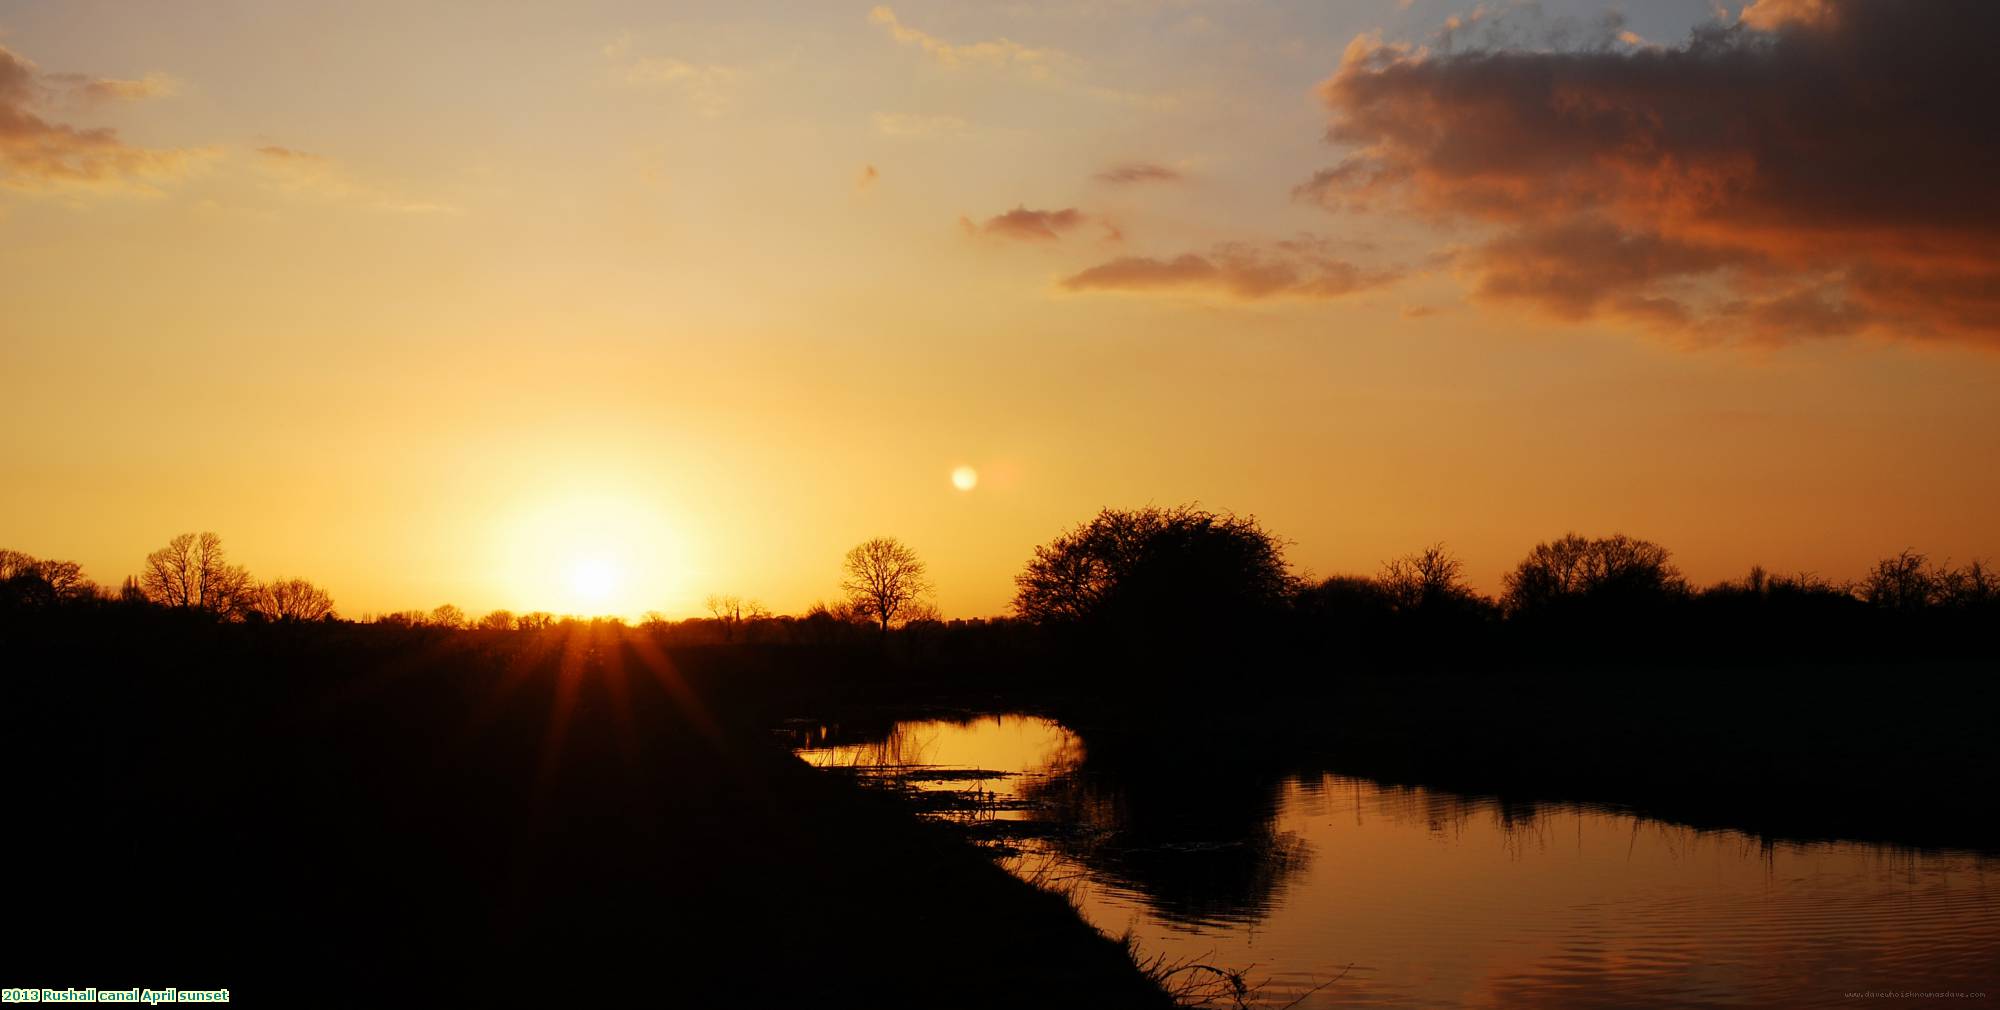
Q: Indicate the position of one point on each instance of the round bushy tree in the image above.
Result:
(1163, 572)
(1615, 572)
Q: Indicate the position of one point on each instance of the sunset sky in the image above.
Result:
(451, 302)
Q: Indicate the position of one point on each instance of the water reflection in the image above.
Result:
(1437, 899)
(1200, 849)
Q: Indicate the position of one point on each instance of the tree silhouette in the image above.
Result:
(42, 582)
(498, 620)
(1157, 567)
(731, 611)
(1571, 570)
(14, 564)
(192, 572)
(1908, 583)
(447, 616)
(292, 600)
(885, 580)
(1899, 583)
(1426, 580)
(1971, 586)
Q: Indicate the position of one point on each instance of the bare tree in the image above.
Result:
(1908, 582)
(1571, 569)
(14, 564)
(1971, 586)
(727, 611)
(65, 579)
(885, 580)
(732, 612)
(41, 581)
(446, 616)
(192, 572)
(292, 600)
(1428, 579)
(498, 620)
(1900, 583)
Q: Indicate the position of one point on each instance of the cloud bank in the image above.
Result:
(1027, 225)
(1818, 168)
(994, 54)
(709, 90)
(1132, 173)
(1303, 268)
(37, 154)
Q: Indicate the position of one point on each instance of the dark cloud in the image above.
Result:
(1579, 269)
(1297, 269)
(38, 154)
(1029, 225)
(1820, 167)
(1137, 172)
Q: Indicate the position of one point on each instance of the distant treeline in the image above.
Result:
(1190, 582)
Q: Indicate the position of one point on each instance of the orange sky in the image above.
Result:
(447, 305)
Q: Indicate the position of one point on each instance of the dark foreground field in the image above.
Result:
(331, 814)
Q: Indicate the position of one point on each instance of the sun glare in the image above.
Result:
(594, 579)
(592, 556)
(965, 478)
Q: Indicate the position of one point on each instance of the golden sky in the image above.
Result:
(451, 304)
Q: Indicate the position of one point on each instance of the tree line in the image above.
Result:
(192, 572)
(885, 585)
(1190, 580)
(1160, 576)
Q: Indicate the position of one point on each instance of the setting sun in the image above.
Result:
(604, 553)
(594, 579)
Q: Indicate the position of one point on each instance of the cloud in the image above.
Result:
(707, 89)
(1816, 168)
(1053, 68)
(997, 54)
(292, 170)
(1243, 272)
(904, 124)
(1774, 14)
(1137, 172)
(39, 155)
(99, 90)
(1029, 225)
(299, 173)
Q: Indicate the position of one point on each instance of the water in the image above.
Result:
(1408, 897)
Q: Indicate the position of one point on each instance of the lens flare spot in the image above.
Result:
(965, 478)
